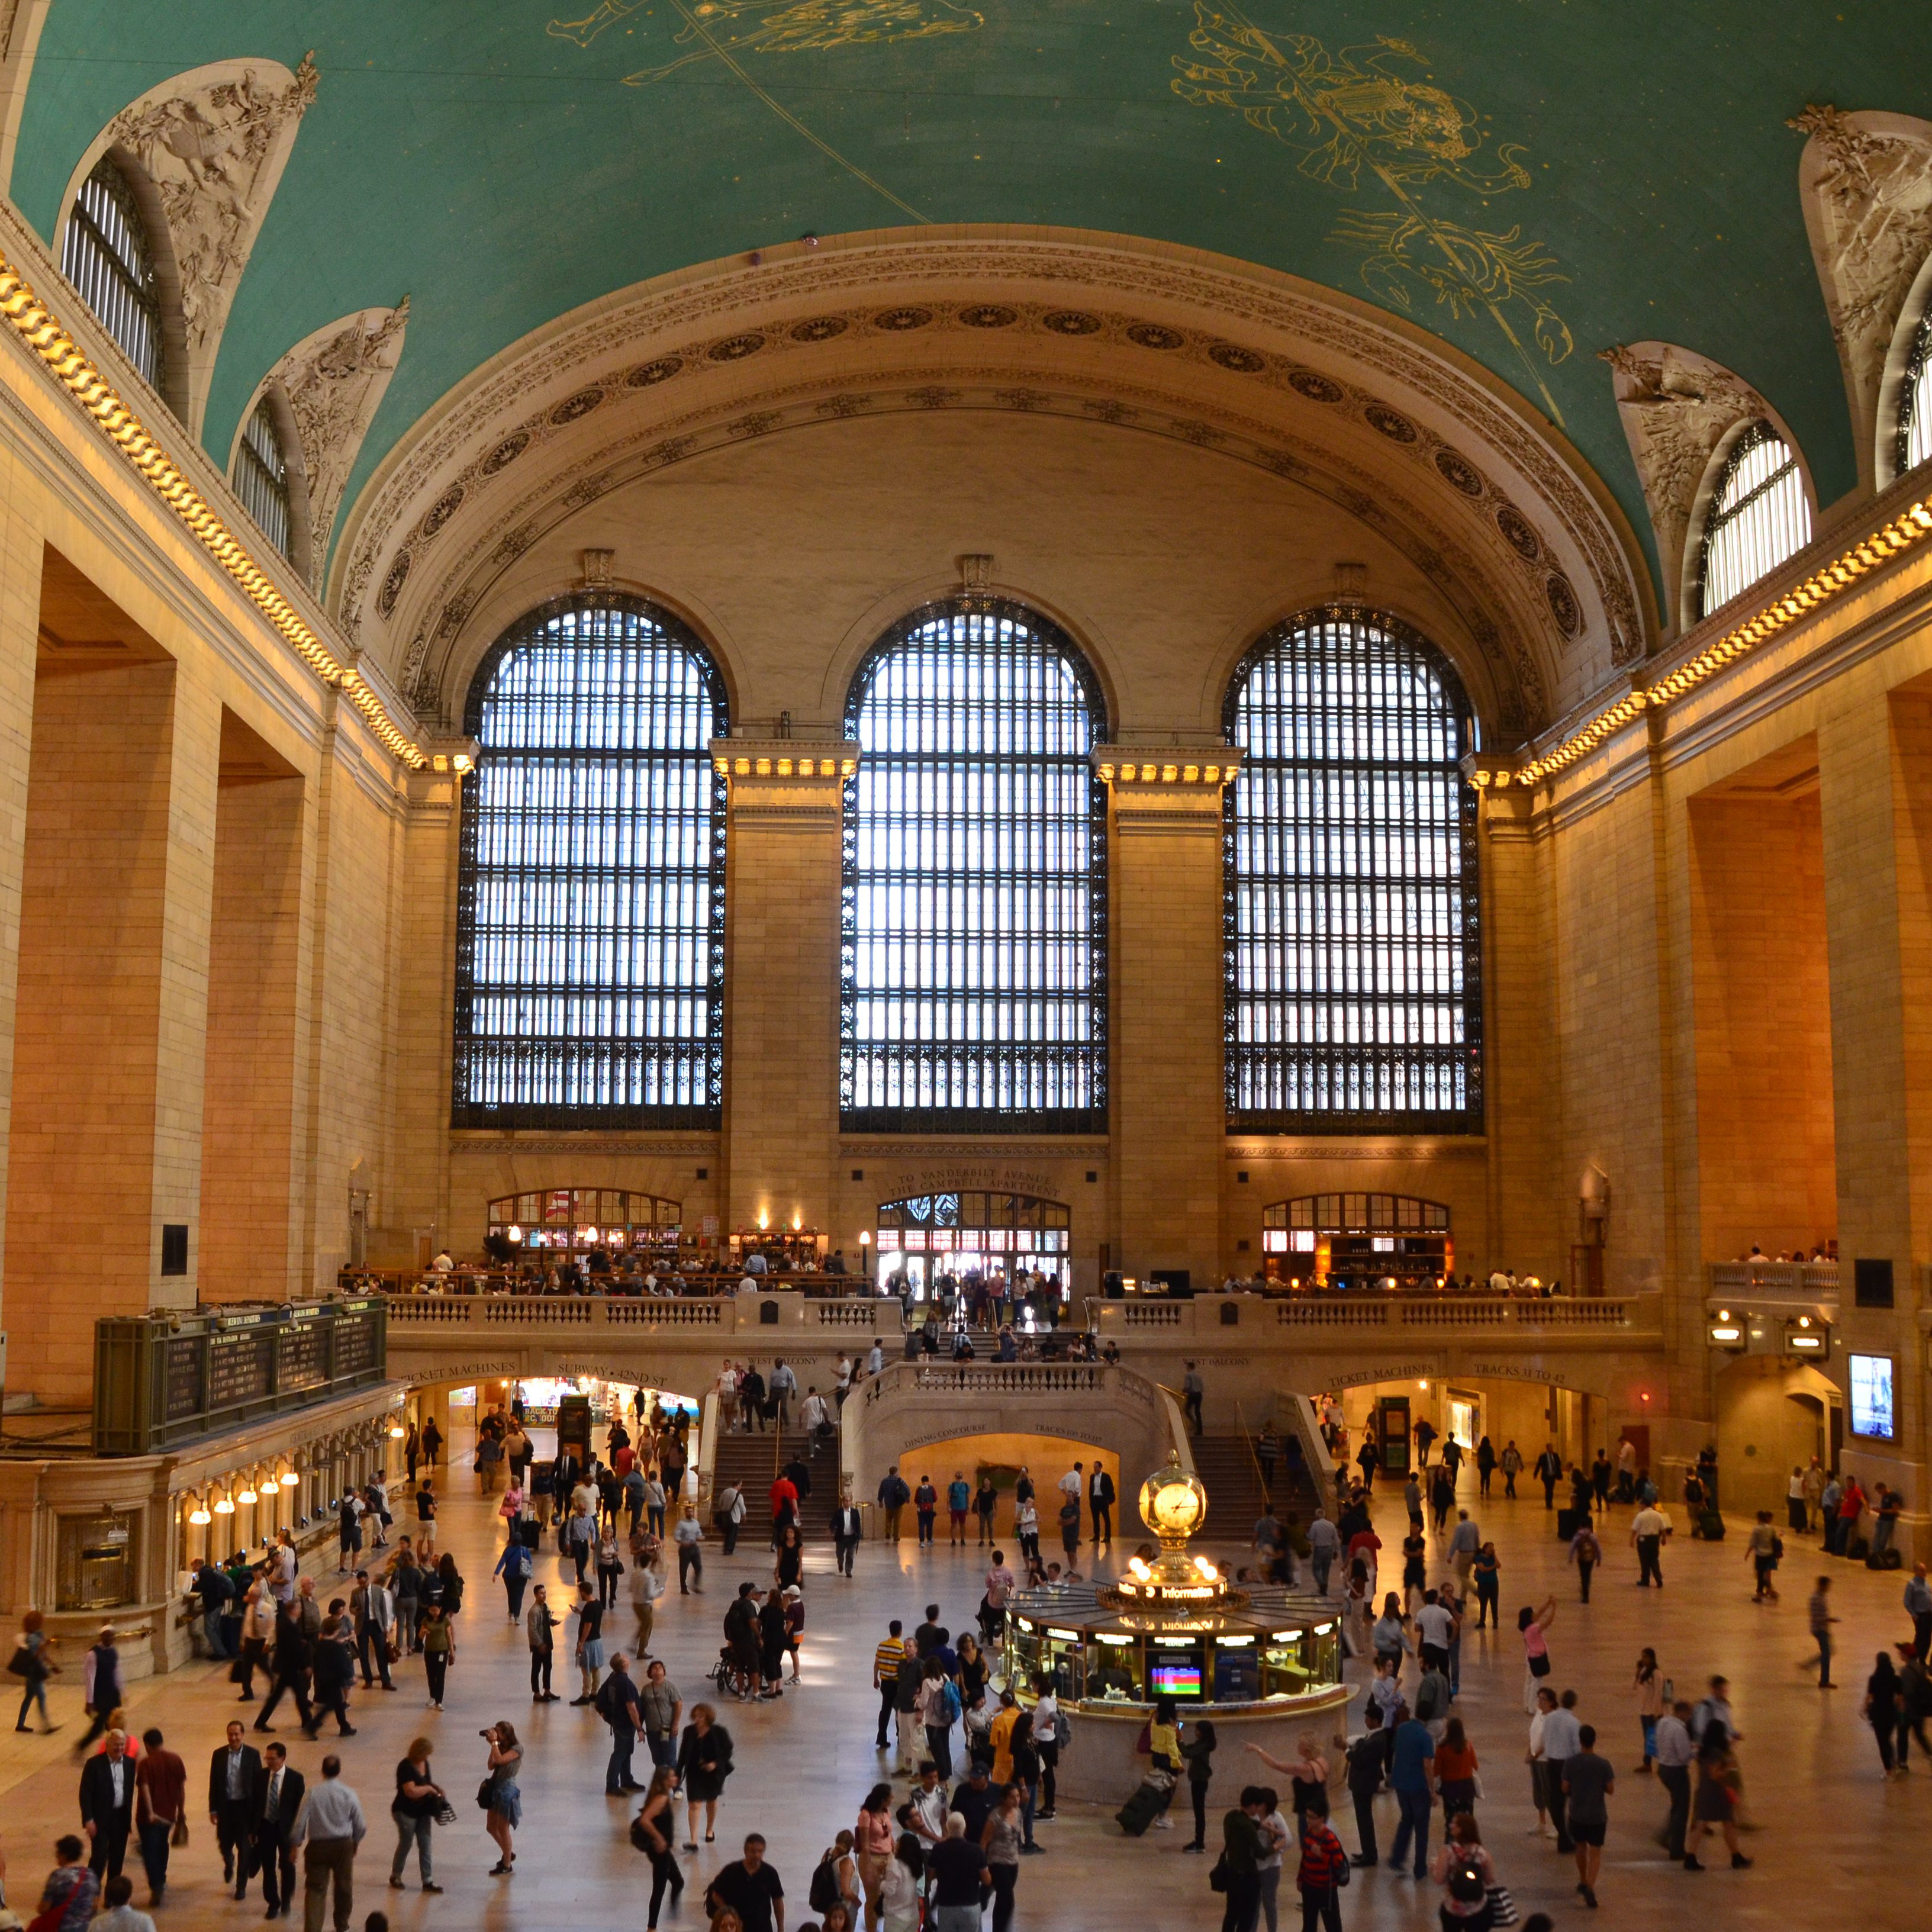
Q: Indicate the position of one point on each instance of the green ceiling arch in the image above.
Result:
(1535, 181)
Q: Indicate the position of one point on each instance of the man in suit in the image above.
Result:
(848, 1527)
(107, 1805)
(279, 1797)
(234, 1797)
(1100, 1502)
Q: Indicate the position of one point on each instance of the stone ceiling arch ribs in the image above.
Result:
(1917, 307)
(1864, 182)
(213, 142)
(1604, 592)
(447, 637)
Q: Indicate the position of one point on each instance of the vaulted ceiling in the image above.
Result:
(1536, 182)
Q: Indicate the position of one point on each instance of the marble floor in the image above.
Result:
(1828, 1823)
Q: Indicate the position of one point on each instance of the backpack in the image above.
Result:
(1465, 1882)
(948, 1701)
(824, 1893)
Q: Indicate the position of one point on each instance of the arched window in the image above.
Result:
(1915, 408)
(261, 475)
(974, 954)
(1353, 965)
(1759, 516)
(590, 907)
(107, 256)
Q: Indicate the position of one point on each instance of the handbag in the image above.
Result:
(1539, 1666)
(1502, 1906)
(446, 1815)
(177, 1837)
(483, 1792)
(1217, 1879)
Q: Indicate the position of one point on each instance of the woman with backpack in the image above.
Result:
(1323, 1869)
(1461, 1867)
(835, 1882)
(938, 1709)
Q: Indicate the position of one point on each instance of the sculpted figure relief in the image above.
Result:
(1677, 406)
(1866, 184)
(334, 380)
(214, 142)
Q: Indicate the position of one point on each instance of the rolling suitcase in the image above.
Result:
(1568, 1521)
(1712, 1524)
(1145, 1806)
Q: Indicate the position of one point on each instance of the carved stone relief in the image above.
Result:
(214, 142)
(1866, 182)
(334, 379)
(1677, 406)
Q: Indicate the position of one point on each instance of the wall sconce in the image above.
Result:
(797, 1222)
(515, 1234)
(289, 1480)
(397, 1432)
(199, 1515)
(764, 1220)
(248, 1494)
(225, 1506)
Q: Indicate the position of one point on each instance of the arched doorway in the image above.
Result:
(932, 1245)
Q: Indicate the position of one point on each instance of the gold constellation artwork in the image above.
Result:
(1359, 116)
(711, 28)
(712, 31)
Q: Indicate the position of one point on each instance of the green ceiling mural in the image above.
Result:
(1534, 180)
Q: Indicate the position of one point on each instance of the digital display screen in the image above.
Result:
(1171, 1675)
(1871, 1396)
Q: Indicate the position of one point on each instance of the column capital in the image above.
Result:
(762, 762)
(1194, 769)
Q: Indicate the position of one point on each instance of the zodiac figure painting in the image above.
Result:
(714, 29)
(1357, 115)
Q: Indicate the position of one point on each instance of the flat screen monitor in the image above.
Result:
(1175, 1674)
(1871, 1397)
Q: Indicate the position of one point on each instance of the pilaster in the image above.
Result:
(783, 894)
(1166, 1007)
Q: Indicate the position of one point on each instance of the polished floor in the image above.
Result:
(1834, 1842)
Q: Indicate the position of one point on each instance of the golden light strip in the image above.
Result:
(1906, 530)
(37, 327)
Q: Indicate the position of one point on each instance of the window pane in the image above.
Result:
(1914, 414)
(261, 477)
(975, 915)
(106, 256)
(1759, 516)
(1352, 956)
(590, 910)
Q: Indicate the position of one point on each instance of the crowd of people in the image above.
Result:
(970, 1759)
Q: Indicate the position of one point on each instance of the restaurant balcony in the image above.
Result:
(1773, 1288)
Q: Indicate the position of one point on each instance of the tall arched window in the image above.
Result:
(1759, 515)
(1915, 408)
(261, 475)
(974, 955)
(1353, 963)
(107, 255)
(590, 907)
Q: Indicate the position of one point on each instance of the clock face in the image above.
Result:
(1175, 1507)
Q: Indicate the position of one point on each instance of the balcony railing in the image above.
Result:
(1803, 1285)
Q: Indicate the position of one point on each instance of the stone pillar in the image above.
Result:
(21, 550)
(783, 887)
(111, 1011)
(1532, 1210)
(1166, 1008)
(1875, 790)
(250, 1197)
